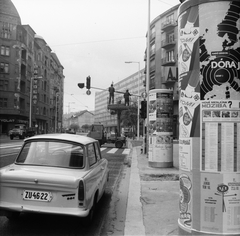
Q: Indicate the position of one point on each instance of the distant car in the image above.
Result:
(61, 174)
(70, 131)
(18, 131)
(30, 132)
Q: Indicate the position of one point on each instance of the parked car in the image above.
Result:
(18, 131)
(31, 131)
(61, 174)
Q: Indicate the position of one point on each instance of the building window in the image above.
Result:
(6, 30)
(4, 67)
(152, 50)
(170, 56)
(170, 18)
(4, 85)
(5, 50)
(170, 37)
(3, 102)
(153, 30)
(15, 103)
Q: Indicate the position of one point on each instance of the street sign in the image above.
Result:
(35, 90)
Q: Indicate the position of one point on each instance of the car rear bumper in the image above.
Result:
(79, 212)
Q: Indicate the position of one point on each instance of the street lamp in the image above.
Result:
(138, 95)
(56, 107)
(148, 76)
(30, 110)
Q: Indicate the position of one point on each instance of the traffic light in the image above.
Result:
(81, 85)
(143, 110)
(88, 82)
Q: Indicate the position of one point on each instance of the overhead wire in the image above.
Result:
(97, 41)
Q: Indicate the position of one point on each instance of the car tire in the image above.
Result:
(89, 218)
(13, 216)
(118, 144)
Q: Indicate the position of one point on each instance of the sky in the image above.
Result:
(92, 38)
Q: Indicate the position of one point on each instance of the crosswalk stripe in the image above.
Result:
(103, 148)
(113, 150)
(126, 151)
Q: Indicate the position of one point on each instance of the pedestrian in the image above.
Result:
(111, 94)
(126, 97)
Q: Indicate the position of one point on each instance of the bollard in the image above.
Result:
(209, 117)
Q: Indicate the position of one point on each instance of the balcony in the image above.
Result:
(152, 36)
(152, 53)
(168, 61)
(152, 68)
(168, 24)
(167, 43)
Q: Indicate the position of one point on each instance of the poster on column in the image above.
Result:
(220, 135)
(185, 154)
(188, 64)
(220, 203)
(219, 51)
(185, 199)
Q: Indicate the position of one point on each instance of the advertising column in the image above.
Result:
(209, 117)
(160, 128)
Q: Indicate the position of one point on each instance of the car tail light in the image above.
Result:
(81, 191)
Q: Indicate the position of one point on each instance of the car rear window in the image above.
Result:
(52, 153)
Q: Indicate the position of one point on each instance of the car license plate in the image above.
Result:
(37, 196)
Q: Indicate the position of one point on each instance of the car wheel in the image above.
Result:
(89, 218)
(118, 144)
(13, 215)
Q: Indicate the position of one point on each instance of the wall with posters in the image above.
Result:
(209, 117)
(160, 128)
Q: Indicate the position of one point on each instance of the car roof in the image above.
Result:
(65, 137)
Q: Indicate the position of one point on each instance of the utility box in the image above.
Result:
(209, 117)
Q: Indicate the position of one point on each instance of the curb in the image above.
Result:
(134, 224)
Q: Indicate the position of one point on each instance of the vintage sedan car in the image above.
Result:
(54, 174)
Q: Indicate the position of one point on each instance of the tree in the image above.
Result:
(74, 126)
(129, 117)
(85, 127)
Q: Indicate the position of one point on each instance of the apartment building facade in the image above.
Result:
(27, 64)
(163, 64)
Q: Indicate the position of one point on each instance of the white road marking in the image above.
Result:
(126, 151)
(113, 150)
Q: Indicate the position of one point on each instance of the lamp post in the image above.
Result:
(138, 95)
(56, 112)
(30, 110)
(148, 77)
